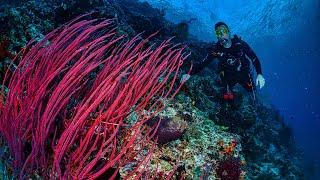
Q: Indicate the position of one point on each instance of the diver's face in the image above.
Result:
(223, 35)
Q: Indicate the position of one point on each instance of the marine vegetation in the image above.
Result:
(64, 114)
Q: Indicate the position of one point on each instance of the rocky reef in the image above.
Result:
(198, 136)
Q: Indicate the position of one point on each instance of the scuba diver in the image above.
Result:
(234, 64)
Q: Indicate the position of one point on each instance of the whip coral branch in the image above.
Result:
(71, 93)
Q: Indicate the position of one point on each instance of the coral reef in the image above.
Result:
(169, 129)
(55, 70)
(196, 154)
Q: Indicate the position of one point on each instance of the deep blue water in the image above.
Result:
(285, 36)
(294, 88)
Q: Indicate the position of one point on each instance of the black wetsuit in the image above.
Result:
(234, 64)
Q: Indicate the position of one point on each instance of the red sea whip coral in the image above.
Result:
(85, 77)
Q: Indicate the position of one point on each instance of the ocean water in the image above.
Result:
(285, 35)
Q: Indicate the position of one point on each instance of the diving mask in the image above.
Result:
(221, 31)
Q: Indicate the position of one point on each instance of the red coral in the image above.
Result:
(229, 169)
(71, 119)
(4, 49)
(227, 149)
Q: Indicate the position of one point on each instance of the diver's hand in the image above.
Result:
(260, 81)
(184, 78)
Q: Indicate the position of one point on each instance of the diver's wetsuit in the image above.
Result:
(234, 64)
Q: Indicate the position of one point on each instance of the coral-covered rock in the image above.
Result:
(169, 129)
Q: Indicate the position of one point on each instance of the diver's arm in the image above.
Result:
(253, 57)
(200, 65)
(260, 81)
(212, 55)
(196, 68)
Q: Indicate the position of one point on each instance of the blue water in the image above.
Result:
(285, 36)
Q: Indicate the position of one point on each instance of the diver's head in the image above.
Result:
(223, 34)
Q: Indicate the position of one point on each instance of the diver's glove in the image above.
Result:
(260, 81)
(185, 78)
